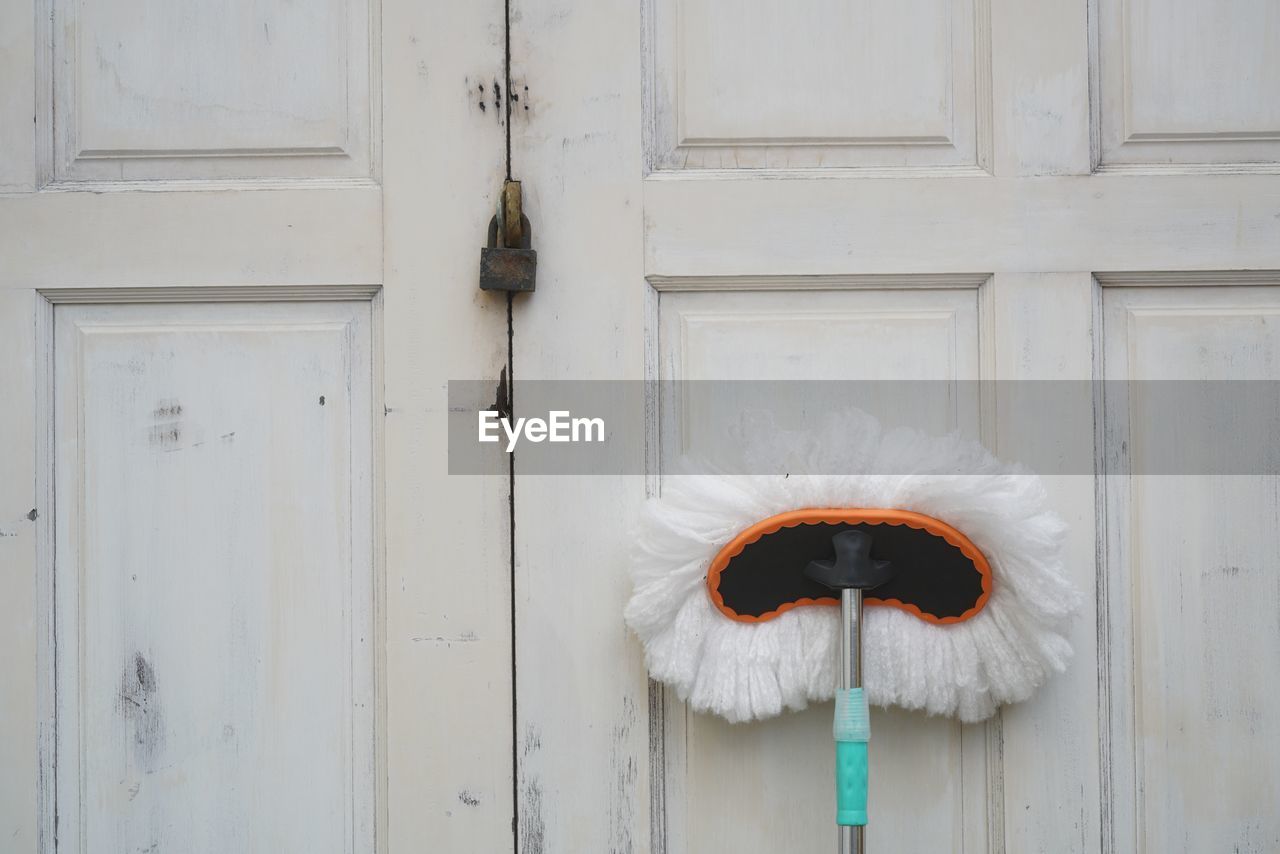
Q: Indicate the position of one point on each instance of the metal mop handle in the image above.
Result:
(851, 572)
(851, 755)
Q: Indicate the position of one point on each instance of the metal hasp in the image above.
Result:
(852, 572)
(508, 263)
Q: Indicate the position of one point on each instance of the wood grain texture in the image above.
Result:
(840, 224)
(24, 518)
(838, 334)
(18, 50)
(154, 91)
(214, 666)
(582, 695)
(1184, 83)
(447, 539)
(1040, 88)
(830, 85)
(193, 238)
(1190, 586)
(1043, 330)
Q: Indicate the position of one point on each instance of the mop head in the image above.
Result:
(748, 668)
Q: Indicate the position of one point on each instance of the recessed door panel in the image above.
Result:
(778, 772)
(1191, 573)
(213, 627)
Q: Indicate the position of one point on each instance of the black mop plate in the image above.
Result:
(939, 575)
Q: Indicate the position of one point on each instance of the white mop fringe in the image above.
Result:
(748, 671)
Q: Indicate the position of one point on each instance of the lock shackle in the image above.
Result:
(497, 235)
(511, 219)
(513, 225)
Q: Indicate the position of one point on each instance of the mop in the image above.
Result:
(749, 590)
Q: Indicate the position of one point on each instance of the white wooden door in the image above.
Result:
(238, 253)
(233, 617)
(974, 189)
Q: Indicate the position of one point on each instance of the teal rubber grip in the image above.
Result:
(852, 731)
(851, 783)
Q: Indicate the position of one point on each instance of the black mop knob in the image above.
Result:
(853, 567)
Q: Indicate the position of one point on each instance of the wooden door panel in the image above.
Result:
(756, 85)
(844, 225)
(144, 91)
(1191, 576)
(1182, 88)
(214, 589)
(768, 339)
(776, 771)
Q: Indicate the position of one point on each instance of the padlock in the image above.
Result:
(506, 267)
